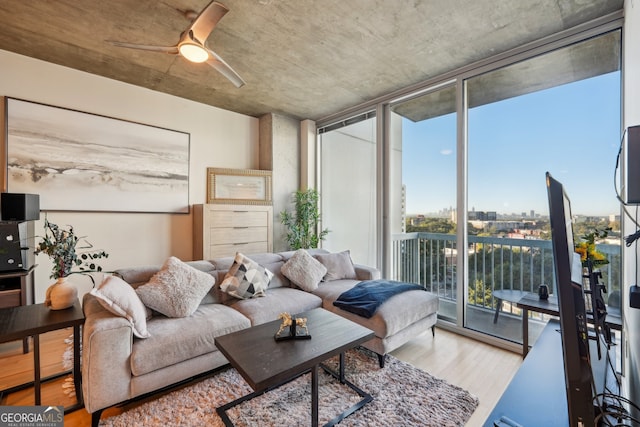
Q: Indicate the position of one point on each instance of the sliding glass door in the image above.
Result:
(558, 112)
(425, 249)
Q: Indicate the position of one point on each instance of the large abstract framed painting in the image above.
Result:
(78, 161)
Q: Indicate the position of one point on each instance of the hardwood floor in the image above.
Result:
(483, 370)
(479, 368)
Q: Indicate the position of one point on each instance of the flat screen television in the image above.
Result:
(571, 303)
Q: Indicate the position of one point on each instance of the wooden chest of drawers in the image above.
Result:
(222, 230)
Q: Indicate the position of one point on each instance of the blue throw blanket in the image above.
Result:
(365, 297)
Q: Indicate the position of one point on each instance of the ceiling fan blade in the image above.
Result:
(206, 21)
(165, 49)
(223, 68)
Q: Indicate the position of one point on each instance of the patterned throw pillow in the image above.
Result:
(303, 270)
(176, 290)
(246, 278)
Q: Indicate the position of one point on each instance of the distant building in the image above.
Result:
(482, 216)
(498, 225)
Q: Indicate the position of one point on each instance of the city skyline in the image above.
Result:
(571, 131)
(446, 212)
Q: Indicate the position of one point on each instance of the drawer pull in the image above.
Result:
(240, 211)
(240, 244)
(239, 228)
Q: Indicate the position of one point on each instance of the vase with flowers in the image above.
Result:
(586, 247)
(70, 254)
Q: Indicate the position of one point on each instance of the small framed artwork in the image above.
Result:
(239, 186)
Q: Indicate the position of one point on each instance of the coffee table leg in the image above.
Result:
(36, 368)
(314, 396)
(366, 397)
(341, 368)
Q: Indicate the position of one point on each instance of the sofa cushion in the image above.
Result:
(117, 296)
(395, 314)
(176, 290)
(246, 278)
(274, 302)
(304, 270)
(176, 340)
(339, 265)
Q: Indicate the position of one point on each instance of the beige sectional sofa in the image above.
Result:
(118, 366)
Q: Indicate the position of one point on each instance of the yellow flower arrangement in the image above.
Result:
(587, 248)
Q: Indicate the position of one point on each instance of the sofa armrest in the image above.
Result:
(364, 272)
(107, 343)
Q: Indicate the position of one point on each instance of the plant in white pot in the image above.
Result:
(70, 254)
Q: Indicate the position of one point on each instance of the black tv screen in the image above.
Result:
(571, 303)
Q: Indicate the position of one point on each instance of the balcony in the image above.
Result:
(429, 259)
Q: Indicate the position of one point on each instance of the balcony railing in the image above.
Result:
(495, 263)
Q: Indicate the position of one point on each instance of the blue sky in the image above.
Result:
(572, 131)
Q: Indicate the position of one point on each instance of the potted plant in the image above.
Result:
(302, 222)
(67, 251)
(586, 247)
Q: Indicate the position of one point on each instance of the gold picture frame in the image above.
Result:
(239, 186)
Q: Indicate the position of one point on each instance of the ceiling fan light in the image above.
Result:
(193, 52)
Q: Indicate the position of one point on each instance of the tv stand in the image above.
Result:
(536, 395)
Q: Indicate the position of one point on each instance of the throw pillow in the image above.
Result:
(176, 290)
(118, 297)
(246, 278)
(304, 270)
(339, 266)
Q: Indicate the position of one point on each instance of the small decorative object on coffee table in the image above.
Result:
(296, 326)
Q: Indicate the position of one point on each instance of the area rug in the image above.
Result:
(402, 396)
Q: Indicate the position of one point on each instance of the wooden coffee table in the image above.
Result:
(267, 364)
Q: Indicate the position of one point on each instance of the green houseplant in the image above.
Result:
(302, 222)
(70, 254)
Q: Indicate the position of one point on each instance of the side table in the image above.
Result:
(18, 323)
(529, 301)
(16, 288)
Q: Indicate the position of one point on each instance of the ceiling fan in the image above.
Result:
(192, 44)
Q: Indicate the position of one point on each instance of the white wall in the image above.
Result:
(219, 138)
(631, 90)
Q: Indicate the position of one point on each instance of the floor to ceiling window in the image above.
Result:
(557, 112)
(462, 207)
(426, 247)
(348, 187)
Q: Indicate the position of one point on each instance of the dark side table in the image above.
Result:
(18, 323)
(529, 301)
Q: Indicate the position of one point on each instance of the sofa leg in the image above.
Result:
(95, 418)
(433, 331)
(381, 358)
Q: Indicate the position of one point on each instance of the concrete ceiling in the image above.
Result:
(301, 58)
